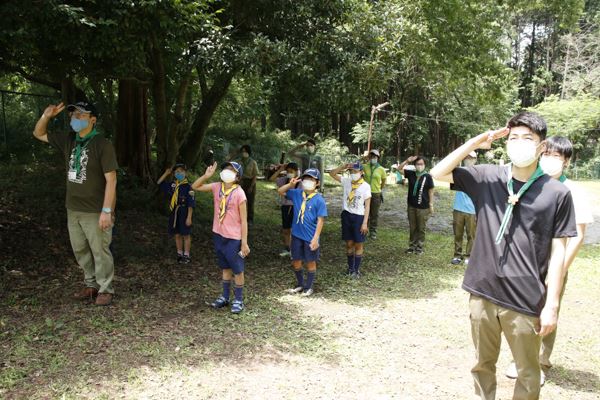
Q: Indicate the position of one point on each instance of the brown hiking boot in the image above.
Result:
(104, 299)
(87, 293)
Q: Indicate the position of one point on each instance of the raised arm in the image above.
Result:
(275, 174)
(283, 189)
(164, 176)
(335, 173)
(443, 170)
(199, 183)
(40, 132)
(293, 152)
(405, 162)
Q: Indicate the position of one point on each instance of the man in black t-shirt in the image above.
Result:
(420, 201)
(524, 219)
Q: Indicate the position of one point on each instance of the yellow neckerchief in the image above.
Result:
(176, 193)
(224, 195)
(305, 200)
(355, 185)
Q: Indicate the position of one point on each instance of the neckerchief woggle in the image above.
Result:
(305, 200)
(224, 196)
(513, 198)
(176, 193)
(80, 144)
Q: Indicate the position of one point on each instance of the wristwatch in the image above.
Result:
(107, 210)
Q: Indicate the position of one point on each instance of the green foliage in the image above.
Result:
(577, 118)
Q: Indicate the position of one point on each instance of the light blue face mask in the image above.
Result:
(79, 124)
(179, 176)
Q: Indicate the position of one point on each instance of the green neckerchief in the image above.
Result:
(81, 143)
(513, 198)
(372, 169)
(419, 175)
(562, 178)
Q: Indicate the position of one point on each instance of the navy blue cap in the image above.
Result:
(237, 166)
(313, 173)
(358, 166)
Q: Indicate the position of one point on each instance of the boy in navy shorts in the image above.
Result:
(310, 211)
(287, 206)
(181, 205)
(355, 216)
(230, 230)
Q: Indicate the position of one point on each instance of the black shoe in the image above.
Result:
(410, 250)
(456, 261)
(179, 258)
(186, 260)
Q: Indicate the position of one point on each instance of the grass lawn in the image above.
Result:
(401, 332)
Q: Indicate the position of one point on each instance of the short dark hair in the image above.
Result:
(530, 120)
(561, 145)
(247, 149)
(312, 141)
(419, 158)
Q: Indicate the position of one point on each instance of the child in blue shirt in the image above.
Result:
(181, 205)
(463, 220)
(310, 211)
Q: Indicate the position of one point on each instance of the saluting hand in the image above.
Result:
(484, 141)
(53, 110)
(210, 170)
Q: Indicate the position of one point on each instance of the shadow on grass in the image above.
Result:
(573, 379)
(49, 344)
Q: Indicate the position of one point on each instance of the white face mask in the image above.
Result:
(309, 185)
(469, 163)
(522, 153)
(356, 176)
(245, 155)
(228, 176)
(551, 165)
(291, 175)
(420, 168)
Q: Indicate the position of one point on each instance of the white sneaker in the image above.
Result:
(511, 371)
(284, 253)
(307, 293)
(295, 290)
(542, 378)
(466, 262)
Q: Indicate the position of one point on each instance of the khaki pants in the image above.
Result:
(548, 340)
(374, 212)
(91, 249)
(488, 321)
(463, 222)
(417, 220)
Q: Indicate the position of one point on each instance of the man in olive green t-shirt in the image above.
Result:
(248, 181)
(91, 164)
(374, 175)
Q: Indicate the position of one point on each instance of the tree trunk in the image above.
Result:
(159, 96)
(132, 141)
(211, 99)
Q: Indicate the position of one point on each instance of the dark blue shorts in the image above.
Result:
(287, 216)
(300, 250)
(351, 224)
(177, 224)
(227, 253)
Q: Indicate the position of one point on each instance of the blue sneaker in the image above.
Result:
(237, 306)
(220, 302)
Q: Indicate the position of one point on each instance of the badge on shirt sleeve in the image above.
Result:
(72, 175)
(192, 194)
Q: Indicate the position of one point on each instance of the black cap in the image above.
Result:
(83, 107)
